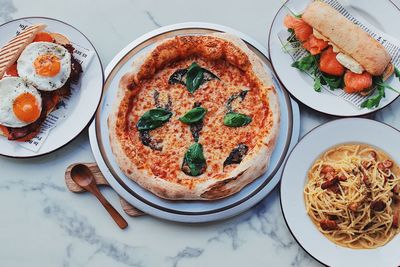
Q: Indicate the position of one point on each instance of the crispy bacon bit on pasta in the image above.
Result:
(328, 225)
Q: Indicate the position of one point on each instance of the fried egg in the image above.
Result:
(20, 103)
(45, 65)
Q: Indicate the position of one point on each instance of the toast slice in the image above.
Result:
(13, 49)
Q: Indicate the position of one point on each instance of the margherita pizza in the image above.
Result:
(196, 119)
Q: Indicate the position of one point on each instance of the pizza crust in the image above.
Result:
(214, 46)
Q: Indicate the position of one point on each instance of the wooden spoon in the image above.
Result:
(82, 175)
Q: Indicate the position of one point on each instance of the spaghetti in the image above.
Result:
(352, 196)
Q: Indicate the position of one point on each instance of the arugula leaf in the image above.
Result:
(375, 99)
(396, 72)
(334, 82)
(306, 63)
(317, 84)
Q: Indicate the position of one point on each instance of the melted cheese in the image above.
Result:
(320, 36)
(349, 63)
(217, 139)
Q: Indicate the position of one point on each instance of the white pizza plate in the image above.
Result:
(379, 14)
(310, 147)
(186, 211)
(83, 103)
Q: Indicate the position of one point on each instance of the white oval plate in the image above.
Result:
(310, 147)
(379, 14)
(83, 103)
(185, 211)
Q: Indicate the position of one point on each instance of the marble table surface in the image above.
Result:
(43, 224)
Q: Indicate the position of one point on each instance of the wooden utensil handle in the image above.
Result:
(100, 180)
(113, 212)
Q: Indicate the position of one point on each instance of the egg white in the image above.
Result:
(10, 89)
(26, 69)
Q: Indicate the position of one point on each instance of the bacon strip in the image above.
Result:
(330, 183)
(395, 223)
(328, 225)
(378, 205)
(327, 169)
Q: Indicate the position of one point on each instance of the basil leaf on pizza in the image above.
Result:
(194, 115)
(234, 119)
(194, 163)
(194, 77)
(153, 119)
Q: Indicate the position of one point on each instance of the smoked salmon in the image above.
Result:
(315, 45)
(329, 64)
(301, 29)
(355, 83)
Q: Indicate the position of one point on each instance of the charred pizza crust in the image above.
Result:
(159, 171)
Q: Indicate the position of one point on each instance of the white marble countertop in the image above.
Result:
(43, 224)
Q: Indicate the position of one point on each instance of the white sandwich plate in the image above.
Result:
(379, 15)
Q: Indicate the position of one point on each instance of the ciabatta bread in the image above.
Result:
(348, 37)
(11, 51)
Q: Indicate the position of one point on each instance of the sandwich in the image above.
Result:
(344, 55)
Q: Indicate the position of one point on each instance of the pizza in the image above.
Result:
(196, 118)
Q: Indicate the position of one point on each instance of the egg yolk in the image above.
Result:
(47, 65)
(26, 108)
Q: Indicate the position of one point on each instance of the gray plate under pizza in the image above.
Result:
(180, 210)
